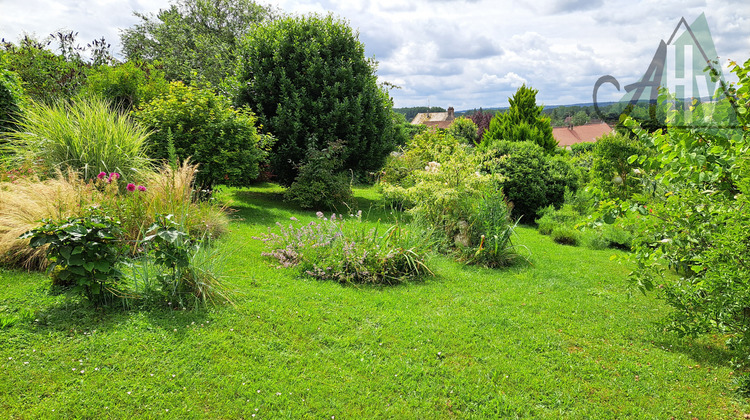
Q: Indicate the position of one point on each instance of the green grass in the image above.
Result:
(559, 338)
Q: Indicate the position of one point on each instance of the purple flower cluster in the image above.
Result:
(132, 187)
(109, 177)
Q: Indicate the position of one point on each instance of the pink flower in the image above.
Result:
(102, 175)
(141, 188)
(114, 175)
(130, 187)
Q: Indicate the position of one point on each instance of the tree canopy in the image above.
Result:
(310, 83)
(195, 40)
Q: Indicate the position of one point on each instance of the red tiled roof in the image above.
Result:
(580, 134)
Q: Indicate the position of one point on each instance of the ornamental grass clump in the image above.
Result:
(84, 135)
(171, 190)
(26, 201)
(349, 250)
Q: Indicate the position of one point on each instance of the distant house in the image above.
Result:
(435, 119)
(588, 133)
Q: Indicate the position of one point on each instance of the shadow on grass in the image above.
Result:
(713, 354)
(75, 316)
(261, 205)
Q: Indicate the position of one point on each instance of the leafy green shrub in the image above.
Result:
(551, 218)
(565, 235)
(403, 130)
(445, 193)
(466, 208)
(492, 232)
(126, 85)
(694, 218)
(347, 251)
(464, 130)
(619, 234)
(594, 239)
(203, 126)
(578, 149)
(611, 170)
(320, 183)
(582, 159)
(47, 77)
(11, 100)
(531, 179)
(401, 167)
(84, 136)
(87, 250)
(308, 80)
(573, 216)
(191, 275)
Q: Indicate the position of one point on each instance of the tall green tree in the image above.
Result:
(46, 76)
(310, 83)
(195, 41)
(580, 118)
(524, 121)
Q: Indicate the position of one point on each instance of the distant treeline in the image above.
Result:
(410, 113)
(650, 115)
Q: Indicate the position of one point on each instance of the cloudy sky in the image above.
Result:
(462, 53)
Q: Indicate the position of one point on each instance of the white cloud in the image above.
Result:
(468, 53)
(510, 79)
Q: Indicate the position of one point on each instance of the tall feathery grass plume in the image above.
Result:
(27, 201)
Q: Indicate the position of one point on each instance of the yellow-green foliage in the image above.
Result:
(401, 167)
(204, 126)
(443, 191)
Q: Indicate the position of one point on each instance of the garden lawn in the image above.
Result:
(559, 338)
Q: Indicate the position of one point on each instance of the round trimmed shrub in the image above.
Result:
(310, 83)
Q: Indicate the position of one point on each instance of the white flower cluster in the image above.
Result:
(432, 167)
